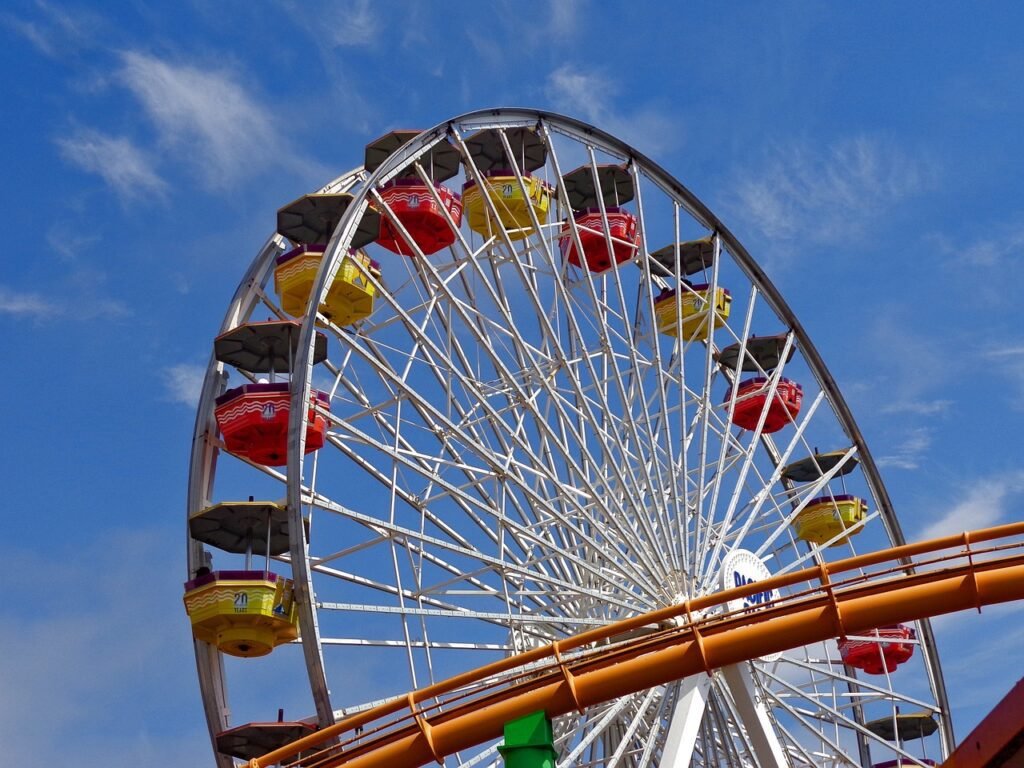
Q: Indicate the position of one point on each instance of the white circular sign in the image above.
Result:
(740, 568)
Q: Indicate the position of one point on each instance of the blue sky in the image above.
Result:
(867, 154)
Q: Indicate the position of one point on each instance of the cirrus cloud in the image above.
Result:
(184, 382)
(21, 304)
(984, 504)
(209, 117)
(827, 193)
(590, 96)
(123, 166)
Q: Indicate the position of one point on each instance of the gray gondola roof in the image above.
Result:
(441, 161)
(616, 186)
(313, 219)
(234, 526)
(813, 467)
(265, 347)
(489, 154)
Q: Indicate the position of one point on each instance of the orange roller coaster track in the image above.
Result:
(832, 600)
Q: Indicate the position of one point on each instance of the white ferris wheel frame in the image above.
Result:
(690, 693)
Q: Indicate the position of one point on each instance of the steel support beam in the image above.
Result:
(754, 715)
(691, 700)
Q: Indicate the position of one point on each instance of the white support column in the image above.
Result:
(754, 716)
(691, 701)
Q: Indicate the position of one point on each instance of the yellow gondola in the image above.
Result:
(512, 206)
(695, 310)
(827, 517)
(243, 613)
(350, 297)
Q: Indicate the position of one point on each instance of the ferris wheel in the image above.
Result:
(506, 382)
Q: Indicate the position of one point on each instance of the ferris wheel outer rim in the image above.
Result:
(688, 201)
(209, 661)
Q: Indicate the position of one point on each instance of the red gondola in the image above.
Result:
(878, 657)
(621, 228)
(423, 217)
(751, 397)
(254, 421)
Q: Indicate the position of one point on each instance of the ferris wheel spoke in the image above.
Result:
(635, 462)
(643, 715)
(482, 757)
(755, 436)
(565, 452)
(603, 327)
(402, 534)
(659, 429)
(820, 711)
(371, 584)
(593, 729)
(409, 497)
(825, 674)
(724, 732)
(351, 437)
(757, 497)
(812, 490)
(461, 613)
(727, 444)
(389, 430)
(704, 415)
(415, 645)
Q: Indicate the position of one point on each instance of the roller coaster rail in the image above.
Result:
(905, 583)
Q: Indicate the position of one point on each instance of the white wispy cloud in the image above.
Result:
(53, 31)
(1007, 360)
(183, 383)
(207, 116)
(826, 194)
(103, 308)
(563, 17)
(997, 248)
(104, 650)
(984, 504)
(122, 165)
(995, 251)
(1008, 352)
(559, 22)
(87, 302)
(346, 24)
(909, 366)
(22, 304)
(354, 24)
(580, 91)
(68, 242)
(910, 373)
(919, 408)
(590, 96)
(85, 293)
(907, 454)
